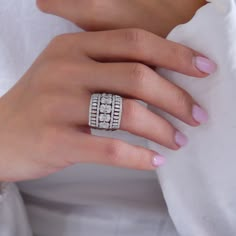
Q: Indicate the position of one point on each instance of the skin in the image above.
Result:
(45, 115)
(157, 16)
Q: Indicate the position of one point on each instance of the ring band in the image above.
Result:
(105, 111)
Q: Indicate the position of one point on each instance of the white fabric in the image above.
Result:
(198, 182)
(13, 219)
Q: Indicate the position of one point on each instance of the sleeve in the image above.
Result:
(13, 218)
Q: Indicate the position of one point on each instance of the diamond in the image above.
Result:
(105, 117)
(104, 125)
(104, 108)
(106, 100)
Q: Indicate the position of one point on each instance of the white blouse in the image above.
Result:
(197, 181)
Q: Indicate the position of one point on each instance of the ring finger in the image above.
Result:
(138, 120)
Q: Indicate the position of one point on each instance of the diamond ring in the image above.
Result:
(105, 111)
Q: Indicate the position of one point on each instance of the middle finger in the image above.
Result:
(138, 81)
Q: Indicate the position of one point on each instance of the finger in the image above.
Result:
(138, 120)
(93, 149)
(140, 82)
(142, 46)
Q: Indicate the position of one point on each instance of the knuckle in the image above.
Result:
(134, 35)
(136, 40)
(65, 41)
(66, 45)
(60, 39)
(183, 99)
(139, 75)
(114, 151)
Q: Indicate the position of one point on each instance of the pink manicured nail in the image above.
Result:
(181, 139)
(200, 115)
(205, 65)
(158, 161)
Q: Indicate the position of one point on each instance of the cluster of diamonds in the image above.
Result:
(105, 111)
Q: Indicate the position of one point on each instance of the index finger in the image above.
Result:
(148, 48)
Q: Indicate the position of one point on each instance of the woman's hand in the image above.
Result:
(44, 116)
(157, 16)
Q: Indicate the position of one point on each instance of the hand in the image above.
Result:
(157, 16)
(44, 116)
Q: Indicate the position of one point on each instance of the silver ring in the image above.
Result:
(105, 111)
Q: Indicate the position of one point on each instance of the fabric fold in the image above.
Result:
(198, 181)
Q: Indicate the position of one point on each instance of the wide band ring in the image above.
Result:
(105, 111)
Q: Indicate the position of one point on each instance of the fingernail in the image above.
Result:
(181, 139)
(158, 161)
(199, 114)
(205, 65)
